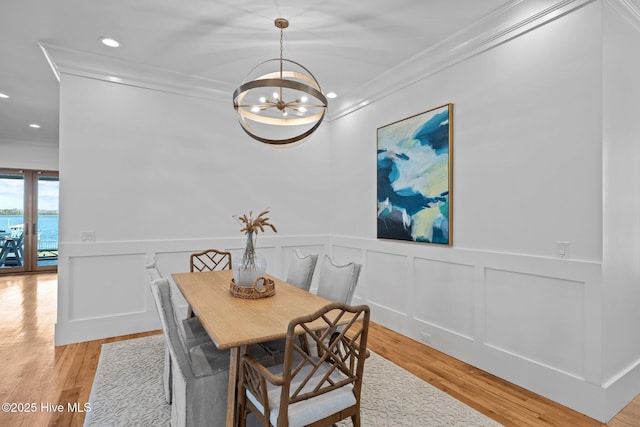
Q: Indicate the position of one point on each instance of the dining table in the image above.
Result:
(234, 323)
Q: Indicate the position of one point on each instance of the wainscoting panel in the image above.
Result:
(342, 254)
(103, 290)
(443, 295)
(287, 253)
(106, 286)
(537, 317)
(178, 262)
(533, 321)
(387, 280)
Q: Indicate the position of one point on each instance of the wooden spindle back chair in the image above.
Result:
(312, 387)
(210, 260)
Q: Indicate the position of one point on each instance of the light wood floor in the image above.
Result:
(34, 373)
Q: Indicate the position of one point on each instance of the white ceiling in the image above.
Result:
(348, 45)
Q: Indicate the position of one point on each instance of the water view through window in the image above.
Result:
(28, 220)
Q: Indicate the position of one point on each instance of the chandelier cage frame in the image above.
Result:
(253, 107)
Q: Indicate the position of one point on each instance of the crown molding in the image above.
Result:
(628, 10)
(63, 60)
(505, 23)
(513, 19)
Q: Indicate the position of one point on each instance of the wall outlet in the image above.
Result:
(87, 236)
(562, 249)
(425, 338)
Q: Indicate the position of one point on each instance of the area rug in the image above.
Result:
(127, 390)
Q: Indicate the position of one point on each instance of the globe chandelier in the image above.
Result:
(280, 102)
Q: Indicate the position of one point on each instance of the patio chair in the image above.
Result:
(11, 253)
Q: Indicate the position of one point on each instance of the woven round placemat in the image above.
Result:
(262, 288)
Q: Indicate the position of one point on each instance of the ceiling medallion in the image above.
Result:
(280, 102)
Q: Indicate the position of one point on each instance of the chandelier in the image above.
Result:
(280, 102)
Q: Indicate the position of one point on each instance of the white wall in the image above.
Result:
(152, 165)
(528, 173)
(621, 199)
(153, 172)
(29, 155)
(527, 144)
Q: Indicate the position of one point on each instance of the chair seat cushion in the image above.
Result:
(310, 410)
(192, 328)
(206, 359)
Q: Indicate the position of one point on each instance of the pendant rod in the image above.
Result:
(282, 24)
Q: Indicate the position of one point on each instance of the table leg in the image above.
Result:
(232, 402)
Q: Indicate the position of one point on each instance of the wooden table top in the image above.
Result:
(233, 322)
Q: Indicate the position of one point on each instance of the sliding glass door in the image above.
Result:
(46, 219)
(28, 220)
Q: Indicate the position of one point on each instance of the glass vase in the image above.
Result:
(248, 267)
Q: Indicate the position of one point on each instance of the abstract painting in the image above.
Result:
(414, 177)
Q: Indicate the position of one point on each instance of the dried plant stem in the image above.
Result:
(251, 227)
(249, 256)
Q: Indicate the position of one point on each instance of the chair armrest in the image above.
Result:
(257, 369)
(253, 379)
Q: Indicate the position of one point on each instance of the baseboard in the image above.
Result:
(71, 332)
(621, 390)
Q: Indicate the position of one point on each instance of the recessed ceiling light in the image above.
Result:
(107, 41)
(4, 95)
(34, 125)
(332, 95)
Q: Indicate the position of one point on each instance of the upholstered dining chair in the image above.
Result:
(300, 274)
(150, 261)
(190, 332)
(338, 282)
(190, 328)
(301, 268)
(200, 373)
(310, 390)
(210, 260)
